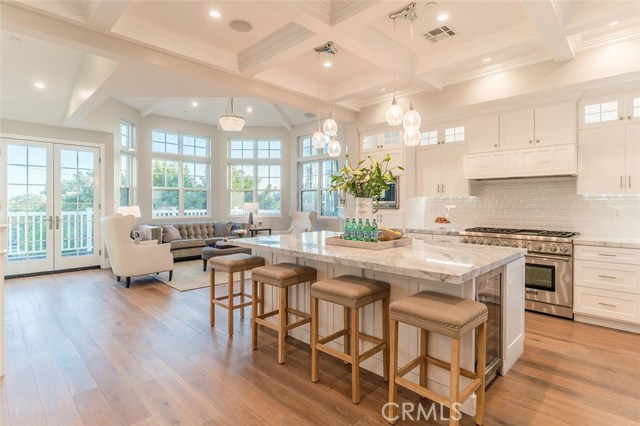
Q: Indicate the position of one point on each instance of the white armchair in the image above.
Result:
(129, 259)
(300, 222)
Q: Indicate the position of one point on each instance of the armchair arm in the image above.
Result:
(148, 243)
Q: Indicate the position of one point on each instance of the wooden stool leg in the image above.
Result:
(314, 339)
(393, 367)
(347, 335)
(230, 302)
(424, 351)
(242, 294)
(212, 296)
(282, 322)
(454, 397)
(481, 338)
(385, 338)
(355, 355)
(254, 314)
(261, 305)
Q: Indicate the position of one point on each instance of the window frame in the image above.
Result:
(319, 160)
(128, 151)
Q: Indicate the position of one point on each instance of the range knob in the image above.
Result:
(514, 244)
(472, 240)
(487, 242)
(504, 244)
(553, 248)
(464, 240)
(538, 247)
(564, 249)
(524, 244)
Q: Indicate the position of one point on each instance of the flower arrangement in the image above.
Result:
(364, 182)
(240, 233)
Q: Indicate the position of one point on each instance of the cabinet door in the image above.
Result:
(633, 108)
(397, 159)
(633, 158)
(601, 160)
(555, 124)
(601, 111)
(484, 133)
(370, 143)
(429, 171)
(516, 129)
(453, 182)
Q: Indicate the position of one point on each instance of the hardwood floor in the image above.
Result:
(83, 350)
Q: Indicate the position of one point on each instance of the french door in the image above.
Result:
(50, 200)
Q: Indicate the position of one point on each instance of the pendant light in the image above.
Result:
(334, 148)
(231, 122)
(411, 136)
(411, 120)
(394, 112)
(329, 127)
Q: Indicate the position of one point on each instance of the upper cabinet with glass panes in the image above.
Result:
(443, 133)
(379, 141)
(609, 110)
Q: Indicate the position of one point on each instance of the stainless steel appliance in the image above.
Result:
(549, 264)
(389, 198)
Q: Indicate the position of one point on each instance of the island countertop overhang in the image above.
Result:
(451, 263)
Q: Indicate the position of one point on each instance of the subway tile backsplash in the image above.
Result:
(541, 203)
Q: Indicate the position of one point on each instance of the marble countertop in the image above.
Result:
(617, 242)
(452, 262)
(435, 231)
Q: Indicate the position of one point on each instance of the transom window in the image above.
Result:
(307, 149)
(314, 180)
(429, 138)
(178, 143)
(454, 134)
(597, 113)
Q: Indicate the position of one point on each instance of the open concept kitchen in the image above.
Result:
(323, 212)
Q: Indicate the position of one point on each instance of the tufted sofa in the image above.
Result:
(188, 239)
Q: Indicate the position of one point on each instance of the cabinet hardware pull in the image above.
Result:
(629, 181)
(629, 117)
(532, 292)
(50, 222)
(537, 140)
(530, 141)
(607, 276)
(495, 145)
(443, 188)
(621, 182)
(621, 117)
(606, 304)
(606, 254)
(438, 185)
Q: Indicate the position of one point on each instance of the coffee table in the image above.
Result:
(209, 252)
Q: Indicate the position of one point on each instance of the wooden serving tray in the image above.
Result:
(380, 245)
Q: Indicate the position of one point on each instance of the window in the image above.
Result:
(127, 163)
(314, 179)
(255, 174)
(307, 149)
(454, 134)
(180, 178)
(429, 138)
(636, 107)
(597, 113)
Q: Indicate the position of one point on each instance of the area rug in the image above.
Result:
(188, 275)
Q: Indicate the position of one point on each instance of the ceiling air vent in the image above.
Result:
(439, 33)
(309, 115)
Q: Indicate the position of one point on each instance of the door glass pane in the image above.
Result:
(77, 201)
(26, 203)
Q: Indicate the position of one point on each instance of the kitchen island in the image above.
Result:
(493, 275)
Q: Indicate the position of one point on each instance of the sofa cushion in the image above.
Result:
(184, 244)
(170, 233)
(222, 229)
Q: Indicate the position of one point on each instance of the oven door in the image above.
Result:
(549, 279)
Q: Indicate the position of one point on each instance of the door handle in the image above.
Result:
(443, 188)
(50, 222)
(57, 222)
(438, 185)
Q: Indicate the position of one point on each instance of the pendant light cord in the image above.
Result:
(411, 59)
(394, 58)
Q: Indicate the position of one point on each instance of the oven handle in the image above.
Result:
(550, 257)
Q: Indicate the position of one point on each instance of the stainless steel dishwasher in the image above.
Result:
(489, 292)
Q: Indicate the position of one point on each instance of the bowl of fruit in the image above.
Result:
(443, 222)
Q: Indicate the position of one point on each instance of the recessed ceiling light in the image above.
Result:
(194, 104)
(443, 17)
(249, 109)
(39, 85)
(611, 24)
(214, 13)
(486, 60)
(383, 89)
(326, 64)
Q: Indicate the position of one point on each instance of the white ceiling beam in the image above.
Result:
(102, 15)
(152, 107)
(286, 123)
(546, 15)
(431, 82)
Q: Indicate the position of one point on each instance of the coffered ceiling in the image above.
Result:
(188, 54)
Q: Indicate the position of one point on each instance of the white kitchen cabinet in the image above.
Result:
(443, 133)
(439, 171)
(632, 108)
(377, 146)
(547, 125)
(609, 160)
(446, 238)
(420, 236)
(607, 286)
(484, 133)
(615, 109)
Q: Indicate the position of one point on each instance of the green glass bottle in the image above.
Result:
(360, 231)
(353, 229)
(367, 231)
(375, 231)
(347, 229)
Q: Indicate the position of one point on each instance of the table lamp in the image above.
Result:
(251, 207)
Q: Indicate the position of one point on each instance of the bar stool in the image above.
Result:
(232, 263)
(283, 276)
(352, 293)
(449, 316)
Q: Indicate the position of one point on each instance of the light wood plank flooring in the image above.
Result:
(83, 350)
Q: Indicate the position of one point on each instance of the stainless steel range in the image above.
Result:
(549, 264)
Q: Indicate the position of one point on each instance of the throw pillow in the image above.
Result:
(221, 229)
(170, 233)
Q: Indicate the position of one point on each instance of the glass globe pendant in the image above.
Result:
(334, 148)
(411, 118)
(411, 136)
(330, 127)
(394, 114)
(318, 139)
